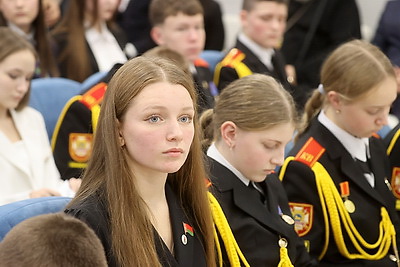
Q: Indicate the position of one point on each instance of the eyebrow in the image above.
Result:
(187, 108)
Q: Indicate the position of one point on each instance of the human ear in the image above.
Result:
(121, 139)
(335, 100)
(228, 133)
(156, 34)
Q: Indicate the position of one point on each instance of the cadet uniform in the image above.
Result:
(338, 212)
(73, 134)
(204, 84)
(261, 223)
(241, 61)
(393, 151)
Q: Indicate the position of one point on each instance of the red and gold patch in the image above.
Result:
(396, 182)
(303, 217)
(80, 146)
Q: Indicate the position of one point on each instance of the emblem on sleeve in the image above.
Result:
(396, 182)
(303, 217)
(80, 146)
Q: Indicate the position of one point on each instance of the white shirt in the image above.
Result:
(357, 147)
(105, 47)
(263, 54)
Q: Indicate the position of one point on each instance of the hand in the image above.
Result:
(291, 74)
(44, 192)
(52, 12)
(74, 184)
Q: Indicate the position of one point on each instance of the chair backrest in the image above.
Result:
(93, 79)
(212, 57)
(49, 95)
(13, 213)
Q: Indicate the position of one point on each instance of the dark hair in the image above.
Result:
(160, 10)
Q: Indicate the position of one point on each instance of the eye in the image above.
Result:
(186, 119)
(13, 76)
(373, 112)
(154, 119)
(271, 146)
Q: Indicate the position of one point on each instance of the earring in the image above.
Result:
(337, 111)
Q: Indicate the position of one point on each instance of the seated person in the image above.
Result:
(26, 162)
(55, 239)
(263, 25)
(73, 134)
(179, 25)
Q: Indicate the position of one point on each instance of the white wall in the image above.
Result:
(370, 11)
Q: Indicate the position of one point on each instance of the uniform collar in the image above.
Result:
(213, 153)
(357, 147)
(263, 54)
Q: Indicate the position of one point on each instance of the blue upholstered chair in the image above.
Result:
(212, 57)
(15, 212)
(49, 95)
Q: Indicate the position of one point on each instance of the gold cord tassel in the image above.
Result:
(285, 260)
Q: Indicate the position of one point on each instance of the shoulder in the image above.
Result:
(233, 57)
(28, 114)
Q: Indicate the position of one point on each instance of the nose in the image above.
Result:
(194, 34)
(278, 158)
(383, 119)
(174, 131)
(23, 86)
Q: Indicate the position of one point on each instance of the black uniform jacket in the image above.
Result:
(228, 74)
(256, 227)
(189, 250)
(206, 89)
(392, 142)
(299, 183)
(73, 135)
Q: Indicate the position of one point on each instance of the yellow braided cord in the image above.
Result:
(285, 260)
(232, 248)
(392, 142)
(339, 215)
(218, 246)
(284, 166)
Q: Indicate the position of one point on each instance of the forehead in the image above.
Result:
(382, 94)
(182, 19)
(269, 7)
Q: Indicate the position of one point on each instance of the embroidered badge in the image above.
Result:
(396, 182)
(80, 146)
(303, 217)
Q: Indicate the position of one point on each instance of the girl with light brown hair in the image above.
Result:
(143, 191)
(336, 174)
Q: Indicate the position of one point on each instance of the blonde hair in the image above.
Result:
(10, 43)
(254, 102)
(353, 70)
(108, 171)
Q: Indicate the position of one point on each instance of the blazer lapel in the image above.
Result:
(347, 164)
(184, 237)
(7, 145)
(243, 198)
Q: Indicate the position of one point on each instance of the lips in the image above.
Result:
(173, 152)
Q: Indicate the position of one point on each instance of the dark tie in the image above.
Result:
(257, 192)
(365, 165)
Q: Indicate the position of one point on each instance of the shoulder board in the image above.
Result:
(201, 63)
(234, 55)
(95, 95)
(310, 152)
(376, 135)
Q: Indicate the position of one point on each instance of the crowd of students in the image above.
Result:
(173, 165)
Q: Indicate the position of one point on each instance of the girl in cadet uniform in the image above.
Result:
(27, 18)
(336, 174)
(253, 119)
(143, 191)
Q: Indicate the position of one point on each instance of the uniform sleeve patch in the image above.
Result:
(395, 182)
(303, 217)
(80, 146)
